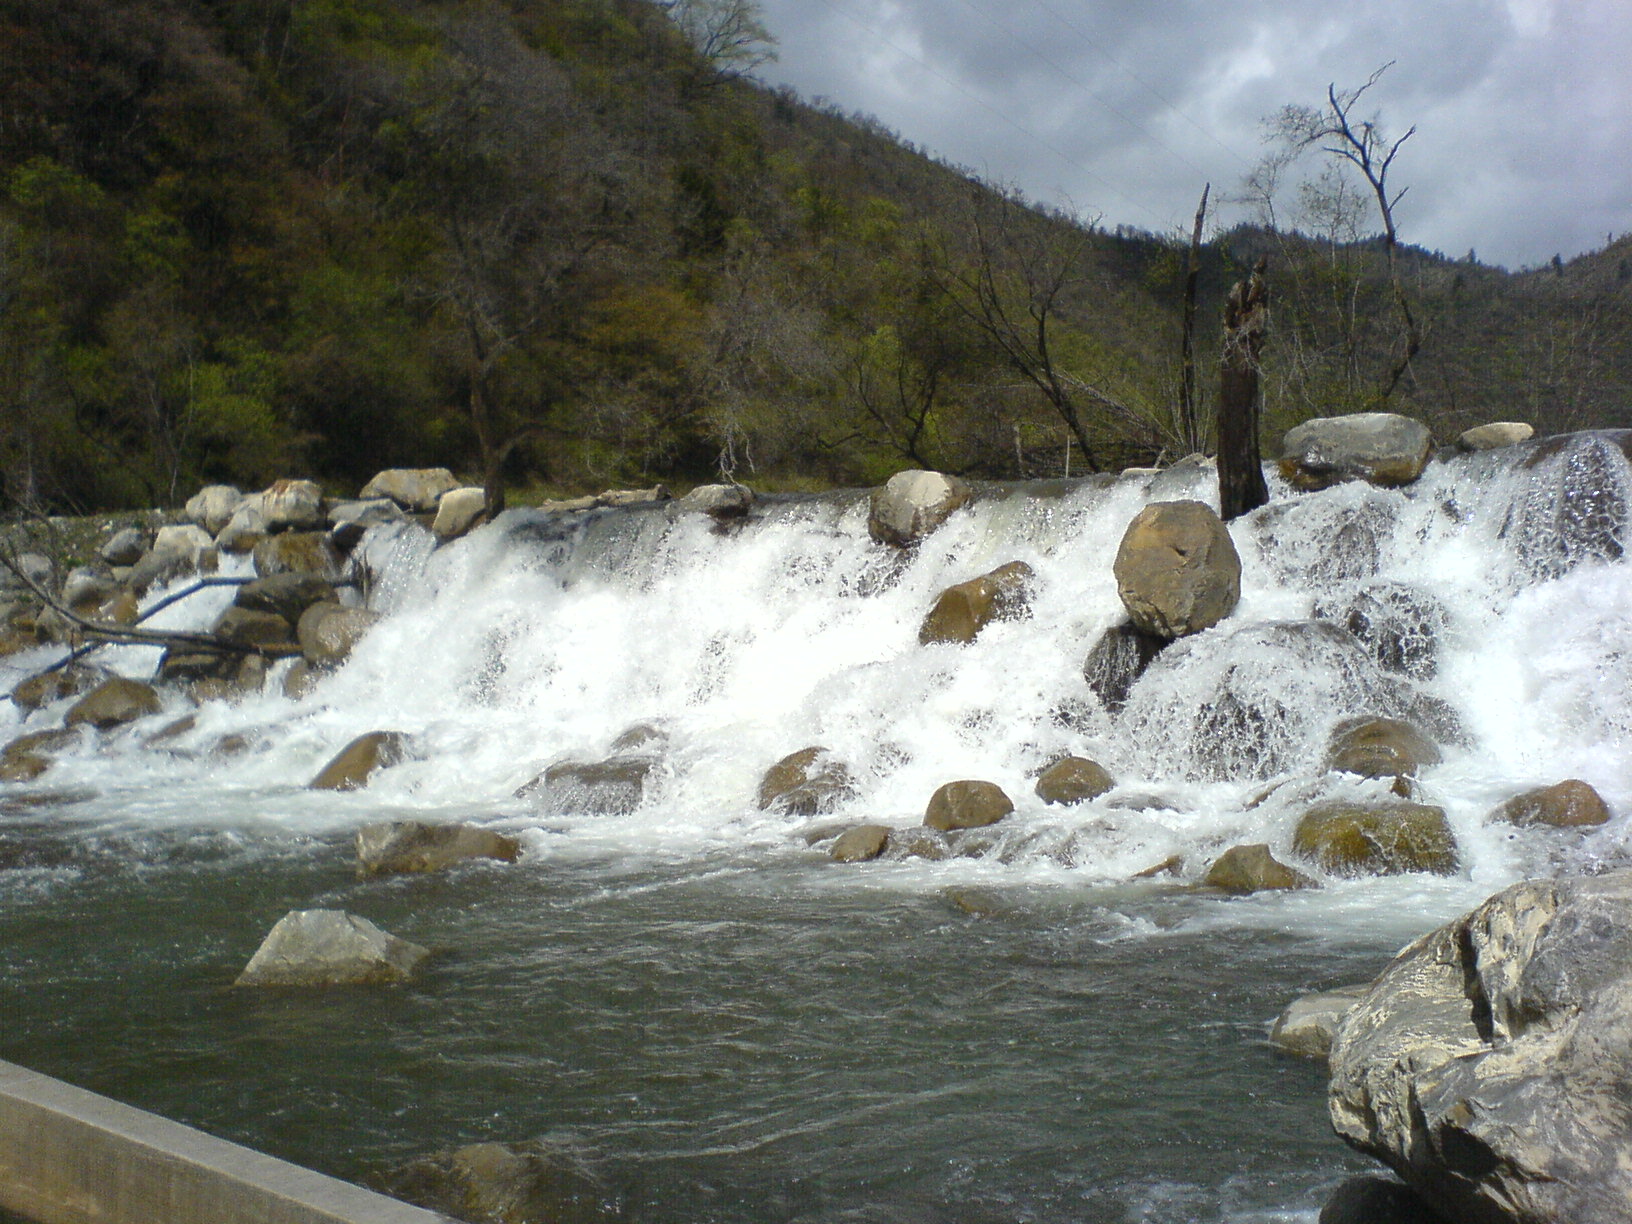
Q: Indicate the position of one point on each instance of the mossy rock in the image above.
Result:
(1073, 779)
(967, 805)
(1354, 839)
(1250, 869)
(1380, 748)
(1569, 804)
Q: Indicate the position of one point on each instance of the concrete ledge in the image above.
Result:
(68, 1156)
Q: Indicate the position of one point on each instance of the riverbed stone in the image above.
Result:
(1495, 435)
(1488, 1064)
(1117, 660)
(245, 529)
(633, 497)
(293, 505)
(967, 804)
(1177, 570)
(806, 783)
(1375, 747)
(328, 632)
(298, 552)
(415, 489)
(87, 587)
(1073, 779)
(412, 847)
(126, 546)
(1252, 868)
(324, 947)
(506, 1183)
(719, 501)
(1400, 624)
(212, 507)
(247, 627)
(1376, 1200)
(43, 688)
(28, 756)
(113, 703)
(1564, 805)
(356, 763)
(961, 611)
(861, 844)
(611, 787)
(178, 550)
(287, 595)
(1308, 1024)
(1382, 448)
(1353, 838)
(911, 504)
(459, 511)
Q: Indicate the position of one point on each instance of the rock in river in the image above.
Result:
(324, 947)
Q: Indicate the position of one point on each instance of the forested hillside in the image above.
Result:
(566, 245)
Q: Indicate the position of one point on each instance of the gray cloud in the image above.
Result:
(1524, 119)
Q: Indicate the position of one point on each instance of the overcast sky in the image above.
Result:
(1523, 108)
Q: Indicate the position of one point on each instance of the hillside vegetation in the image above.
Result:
(563, 245)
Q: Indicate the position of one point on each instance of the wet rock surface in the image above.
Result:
(968, 804)
(1381, 448)
(806, 783)
(1177, 570)
(324, 947)
(963, 610)
(412, 847)
(912, 504)
(1354, 838)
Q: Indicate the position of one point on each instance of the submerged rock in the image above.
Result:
(1379, 748)
(806, 783)
(353, 766)
(1381, 448)
(963, 610)
(409, 847)
(499, 1183)
(1250, 869)
(325, 947)
(113, 703)
(861, 844)
(45, 687)
(1177, 570)
(1488, 1065)
(1309, 1023)
(1573, 507)
(912, 504)
(613, 787)
(28, 756)
(967, 805)
(1117, 660)
(1073, 779)
(1564, 805)
(1351, 838)
(1401, 625)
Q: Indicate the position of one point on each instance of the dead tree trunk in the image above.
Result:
(1240, 467)
(1189, 426)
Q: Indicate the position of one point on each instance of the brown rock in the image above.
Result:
(287, 595)
(113, 703)
(414, 489)
(915, 841)
(962, 611)
(1379, 748)
(967, 805)
(1177, 570)
(42, 689)
(1564, 805)
(1349, 838)
(1117, 660)
(354, 764)
(861, 844)
(298, 552)
(26, 757)
(1250, 869)
(406, 847)
(1073, 780)
(329, 631)
(805, 783)
(248, 627)
(498, 1183)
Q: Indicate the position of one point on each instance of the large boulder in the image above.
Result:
(412, 847)
(245, 529)
(1379, 447)
(1379, 748)
(178, 550)
(113, 703)
(719, 501)
(329, 631)
(1177, 570)
(503, 1183)
(1488, 1065)
(1073, 779)
(297, 552)
(293, 505)
(1564, 805)
(1117, 660)
(1353, 838)
(1250, 869)
(963, 610)
(287, 595)
(1309, 1024)
(967, 805)
(612, 787)
(353, 766)
(805, 783)
(416, 489)
(458, 512)
(330, 948)
(912, 504)
(213, 506)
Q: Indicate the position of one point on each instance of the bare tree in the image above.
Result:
(729, 35)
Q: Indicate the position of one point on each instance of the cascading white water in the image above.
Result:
(541, 639)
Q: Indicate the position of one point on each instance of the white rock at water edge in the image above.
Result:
(330, 948)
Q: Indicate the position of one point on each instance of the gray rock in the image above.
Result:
(1380, 447)
(330, 948)
(503, 1183)
(287, 595)
(1376, 1200)
(329, 631)
(1117, 660)
(293, 505)
(177, 551)
(458, 512)
(245, 528)
(1488, 1065)
(125, 547)
(88, 587)
(1379, 748)
(36, 568)
(213, 506)
(912, 504)
(1495, 435)
(411, 847)
(414, 489)
(1177, 570)
(365, 513)
(1309, 1024)
(722, 501)
(613, 787)
(1401, 625)
(632, 497)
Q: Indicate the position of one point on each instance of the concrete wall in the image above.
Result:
(68, 1156)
